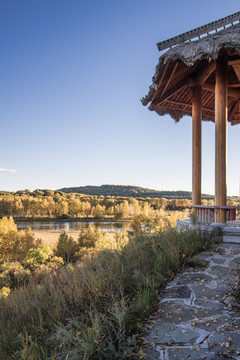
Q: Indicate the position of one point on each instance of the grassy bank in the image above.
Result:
(93, 309)
(51, 237)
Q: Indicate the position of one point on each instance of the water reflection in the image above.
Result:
(73, 225)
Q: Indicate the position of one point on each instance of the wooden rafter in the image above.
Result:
(235, 122)
(170, 78)
(233, 111)
(237, 71)
(185, 104)
(205, 72)
(179, 108)
(171, 92)
(234, 62)
(160, 81)
(234, 93)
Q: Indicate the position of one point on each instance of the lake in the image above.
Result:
(54, 225)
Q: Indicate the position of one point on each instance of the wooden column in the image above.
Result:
(196, 146)
(220, 137)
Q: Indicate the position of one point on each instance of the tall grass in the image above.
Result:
(94, 309)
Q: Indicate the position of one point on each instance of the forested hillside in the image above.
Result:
(131, 191)
(82, 204)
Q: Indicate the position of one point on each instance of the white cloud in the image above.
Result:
(8, 170)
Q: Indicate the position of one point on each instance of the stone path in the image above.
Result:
(198, 318)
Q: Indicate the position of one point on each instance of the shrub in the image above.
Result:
(39, 255)
(14, 245)
(7, 225)
(4, 292)
(88, 238)
(112, 241)
(13, 275)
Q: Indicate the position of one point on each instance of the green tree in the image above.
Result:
(89, 237)
(39, 255)
(66, 247)
(13, 244)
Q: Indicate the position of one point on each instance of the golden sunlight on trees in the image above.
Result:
(21, 254)
(57, 204)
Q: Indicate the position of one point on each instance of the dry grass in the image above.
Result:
(51, 237)
(93, 309)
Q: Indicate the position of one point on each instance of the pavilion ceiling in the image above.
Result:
(193, 64)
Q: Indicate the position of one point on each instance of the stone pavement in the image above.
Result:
(198, 317)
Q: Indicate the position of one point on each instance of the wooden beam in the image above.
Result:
(196, 146)
(160, 81)
(169, 79)
(220, 137)
(234, 85)
(234, 62)
(234, 93)
(233, 111)
(185, 104)
(170, 92)
(237, 71)
(235, 122)
(205, 72)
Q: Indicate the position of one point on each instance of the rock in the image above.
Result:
(186, 354)
(191, 278)
(181, 292)
(169, 334)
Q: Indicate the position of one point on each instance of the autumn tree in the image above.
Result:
(66, 247)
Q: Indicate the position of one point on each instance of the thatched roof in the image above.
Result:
(178, 68)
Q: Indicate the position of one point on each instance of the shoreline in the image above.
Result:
(110, 220)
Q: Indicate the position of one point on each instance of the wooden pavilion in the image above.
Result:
(200, 76)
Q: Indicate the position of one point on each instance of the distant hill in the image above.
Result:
(130, 191)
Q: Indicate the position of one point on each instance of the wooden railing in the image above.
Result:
(206, 214)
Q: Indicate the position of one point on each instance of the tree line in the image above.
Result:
(57, 204)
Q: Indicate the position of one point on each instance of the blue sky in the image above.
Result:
(72, 73)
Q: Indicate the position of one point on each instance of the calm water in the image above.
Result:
(73, 225)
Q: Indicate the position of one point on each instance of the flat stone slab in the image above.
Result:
(230, 249)
(169, 334)
(221, 271)
(180, 292)
(231, 239)
(212, 323)
(151, 354)
(186, 354)
(235, 263)
(206, 255)
(176, 313)
(213, 357)
(209, 293)
(210, 307)
(231, 230)
(198, 317)
(233, 326)
(218, 260)
(192, 278)
(225, 344)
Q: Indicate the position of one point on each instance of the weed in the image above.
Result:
(94, 308)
